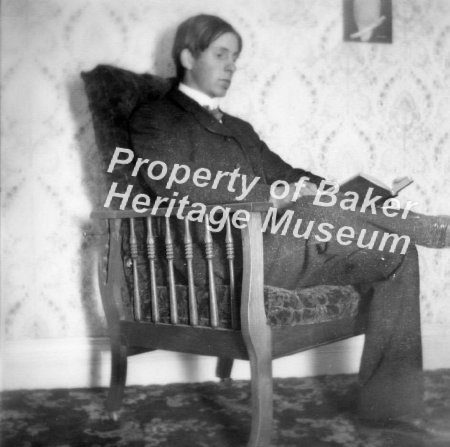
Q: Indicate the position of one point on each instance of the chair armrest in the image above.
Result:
(124, 214)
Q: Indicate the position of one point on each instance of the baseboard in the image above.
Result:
(84, 362)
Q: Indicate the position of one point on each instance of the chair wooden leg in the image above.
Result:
(257, 333)
(262, 400)
(118, 378)
(223, 369)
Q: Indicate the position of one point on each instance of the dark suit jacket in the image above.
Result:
(175, 129)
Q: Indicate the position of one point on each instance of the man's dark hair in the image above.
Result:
(196, 34)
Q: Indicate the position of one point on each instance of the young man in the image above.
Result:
(186, 128)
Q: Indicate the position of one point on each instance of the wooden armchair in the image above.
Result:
(147, 307)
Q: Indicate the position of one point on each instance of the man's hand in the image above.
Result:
(309, 189)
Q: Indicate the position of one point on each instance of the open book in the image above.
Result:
(362, 182)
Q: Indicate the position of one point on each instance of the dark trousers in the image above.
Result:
(391, 383)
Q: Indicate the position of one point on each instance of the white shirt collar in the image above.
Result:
(201, 98)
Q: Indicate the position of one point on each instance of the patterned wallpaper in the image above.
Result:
(333, 107)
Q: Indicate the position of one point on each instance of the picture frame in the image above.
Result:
(367, 21)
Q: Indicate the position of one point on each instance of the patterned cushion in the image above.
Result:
(310, 305)
(283, 307)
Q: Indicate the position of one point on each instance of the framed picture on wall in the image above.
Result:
(367, 21)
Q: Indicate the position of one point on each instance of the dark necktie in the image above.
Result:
(215, 112)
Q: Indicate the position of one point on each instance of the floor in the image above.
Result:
(309, 412)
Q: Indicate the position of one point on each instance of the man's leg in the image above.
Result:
(391, 366)
(390, 374)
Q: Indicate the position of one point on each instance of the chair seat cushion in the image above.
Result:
(283, 307)
(317, 304)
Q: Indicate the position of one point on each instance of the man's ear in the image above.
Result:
(187, 59)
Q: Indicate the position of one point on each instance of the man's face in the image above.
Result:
(211, 71)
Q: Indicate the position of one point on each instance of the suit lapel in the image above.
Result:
(201, 115)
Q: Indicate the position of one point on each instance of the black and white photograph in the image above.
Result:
(225, 223)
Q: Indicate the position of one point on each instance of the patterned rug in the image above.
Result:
(308, 412)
